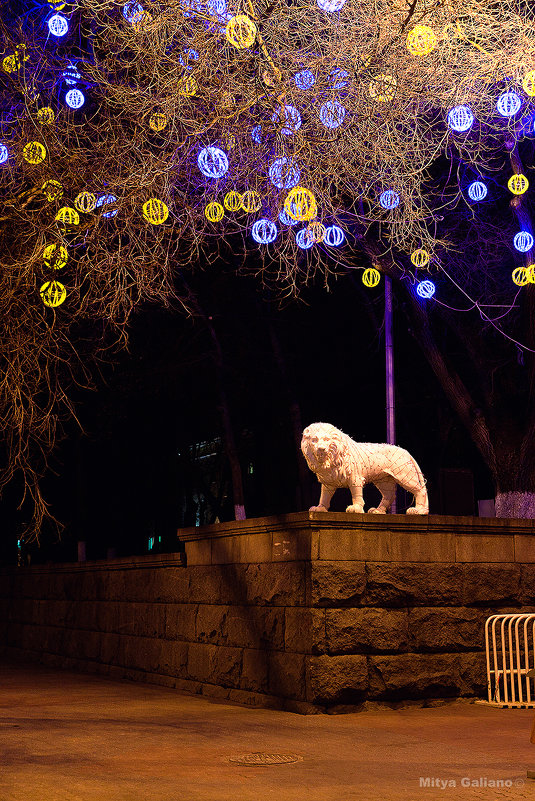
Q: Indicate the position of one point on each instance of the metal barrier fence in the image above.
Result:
(510, 646)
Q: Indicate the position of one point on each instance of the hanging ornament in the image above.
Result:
(214, 212)
(75, 98)
(334, 236)
(425, 289)
(332, 114)
(523, 241)
(317, 231)
(264, 232)
(251, 201)
(421, 40)
(55, 256)
(508, 104)
(155, 211)
(52, 189)
(389, 199)
(518, 184)
(107, 200)
(187, 86)
(304, 239)
(382, 88)
(284, 173)
(520, 276)
(288, 118)
(85, 202)
(300, 204)
(232, 201)
(528, 83)
(34, 152)
(58, 25)
(68, 216)
(420, 257)
(241, 31)
(46, 115)
(304, 79)
(477, 191)
(371, 277)
(53, 293)
(460, 119)
(157, 121)
(212, 162)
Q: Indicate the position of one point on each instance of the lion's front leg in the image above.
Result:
(356, 496)
(325, 499)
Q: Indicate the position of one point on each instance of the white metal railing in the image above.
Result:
(510, 646)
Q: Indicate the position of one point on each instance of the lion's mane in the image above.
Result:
(342, 460)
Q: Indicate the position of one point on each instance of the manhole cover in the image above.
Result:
(264, 759)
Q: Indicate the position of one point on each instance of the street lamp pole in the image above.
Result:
(389, 359)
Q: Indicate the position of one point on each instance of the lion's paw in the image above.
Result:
(318, 509)
(354, 508)
(418, 510)
(375, 511)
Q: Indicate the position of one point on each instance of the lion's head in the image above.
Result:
(323, 446)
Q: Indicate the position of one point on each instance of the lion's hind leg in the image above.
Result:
(387, 488)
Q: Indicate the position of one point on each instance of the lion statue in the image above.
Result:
(339, 461)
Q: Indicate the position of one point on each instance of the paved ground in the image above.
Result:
(71, 737)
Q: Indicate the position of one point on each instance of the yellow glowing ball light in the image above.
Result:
(55, 256)
(53, 293)
(85, 202)
(518, 184)
(383, 88)
(528, 83)
(421, 40)
(241, 31)
(232, 201)
(371, 277)
(520, 276)
(300, 204)
(46, 115)
(157, 121)
(317, 231)
(68, 216)
(155, 211)
(251, 201)
(420, 257)
(52, 189)
(34, 152)
(187, 87)
(214, 212)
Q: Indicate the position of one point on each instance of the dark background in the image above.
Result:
(151, 458)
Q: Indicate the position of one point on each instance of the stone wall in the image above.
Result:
(306, 611)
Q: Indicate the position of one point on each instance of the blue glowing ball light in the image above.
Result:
(425, 289)
(284, 174)
(286, 219)
(477, 191)
(58, 25)
(71, 75)
(332, 114)
(132, 10)
(304, 79)
(189, 55)
(339, 78)
(256, 134)
(523, 241)
(289, 118)
(212, 162)
(103, 200)
(304, 239)
(3, 154)
(508, 104)
(334, 236)
(389, 199)
(331, 5)
(264, 232)
(74, 98)
(460, 119)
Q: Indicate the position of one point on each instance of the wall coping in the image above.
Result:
(354, 522)
(119, 563)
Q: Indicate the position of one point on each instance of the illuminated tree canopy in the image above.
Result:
(140, 139)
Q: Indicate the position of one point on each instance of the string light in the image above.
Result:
(508, 104)
(389, 199)
(53, 293)
(106, 200)
(304, 79)
(518, 184)
(334, 236)
(213, 162)
(264, 232)
(58, 25)
(523, 241)
(371, 277)
(460, 119)
(420, 257)
(304, 239)
(477, 191)
(288, 118)
(75, 98)
(284, 174)
(156, 212)
(332, 114)
(4, 154)
(421, 40)
(425, 289)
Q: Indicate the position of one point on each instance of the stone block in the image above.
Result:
(286, 675)
(139, 584)
(412, 676)
(336, 679)
(227, 664)
(383, 545)
(407, 584)
(481, 548)
(304, 630)
(90, 646)
(226, 550)
(233, 583)
(447, 629)
(254, 674)
(149, 619)
(201, 658)
(257, 547)
(109, 648)
(210, 624)
(172, 585)
(173, 658)
(335, 583)
(143, 653)
(524, 548)
(180, 621)
(204, 584)
(526, 593)
(198, 552)
(255, 627)
(490, 584)
(277, 584)
(114, 584)
(366, 630)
